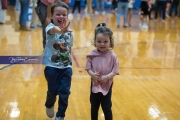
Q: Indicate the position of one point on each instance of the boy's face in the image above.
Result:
(60, 16)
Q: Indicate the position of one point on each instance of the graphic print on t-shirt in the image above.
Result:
(62, 57)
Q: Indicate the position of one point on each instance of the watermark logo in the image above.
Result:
(20, 59)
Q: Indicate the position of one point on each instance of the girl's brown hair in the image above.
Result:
(103, 29)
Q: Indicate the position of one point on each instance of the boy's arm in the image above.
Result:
(57, 29)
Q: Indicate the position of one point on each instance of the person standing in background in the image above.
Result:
(174, 7)
(100, 7)
(161, 9)
(23, 17)
(144, 14)
(114, 6)
(122, 11)
(168, 6)
(17, 5)
(35, 22)
(3, 7)
(43, 12)
(88, 8)
(76, 4)
(130, 12)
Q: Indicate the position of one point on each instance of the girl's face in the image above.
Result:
(60, 16)
(102, 42)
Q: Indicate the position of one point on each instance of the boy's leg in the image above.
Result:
(64, 90)
(52, 80)
(106, 104)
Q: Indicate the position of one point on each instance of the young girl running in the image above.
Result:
(102, 65)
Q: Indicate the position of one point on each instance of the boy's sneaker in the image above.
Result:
(50, 112)
(59, 118)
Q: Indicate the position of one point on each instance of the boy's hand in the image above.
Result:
(64, 29)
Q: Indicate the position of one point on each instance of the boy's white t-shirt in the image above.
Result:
(57, 49)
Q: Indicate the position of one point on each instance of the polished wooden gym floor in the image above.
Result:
(148, 87)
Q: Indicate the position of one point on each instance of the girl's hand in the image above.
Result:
(64, 28)
(104, 79)
(96, 77)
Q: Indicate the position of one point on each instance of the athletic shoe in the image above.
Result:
(50, 112)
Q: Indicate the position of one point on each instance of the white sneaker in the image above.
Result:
(87, 15)
(167, 15)
(59, 118)
(103, 13)
(96, 13)
(70, 16)
(50, 112)
(144, 26)
(140, 25)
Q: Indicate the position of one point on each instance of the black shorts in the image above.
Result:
(144, 8)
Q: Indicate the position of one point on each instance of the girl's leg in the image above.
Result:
(95, 99)
(106, 104)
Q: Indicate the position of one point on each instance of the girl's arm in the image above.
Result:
(95, 76)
